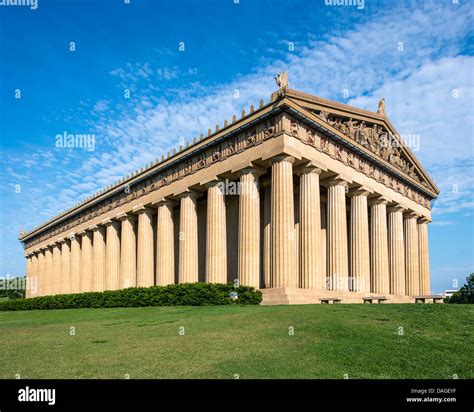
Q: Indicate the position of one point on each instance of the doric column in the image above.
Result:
(41, 272)
(424, 256)
(65, 267)
(112, 254)
(396, 250)
(284, 265)
(312, 275)
(28, 275)
(56, 289)
(98, 258)
(249, 229)
(164, 244)
(380, 280)
(324, 242)
(188, 271)
(412, 262)
(86, 261)
(337, 259)
(267, 233)
(128, 251)
(48, 273)
(145, 258)
(75, 265)
(359, 244)
(34, 279)
(216, 239)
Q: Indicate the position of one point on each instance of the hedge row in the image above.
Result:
(185, 294)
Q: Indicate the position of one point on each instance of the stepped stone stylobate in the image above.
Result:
(303, 198)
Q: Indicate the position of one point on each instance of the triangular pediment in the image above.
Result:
(370, 131)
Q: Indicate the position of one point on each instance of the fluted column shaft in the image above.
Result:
(359, 245)
(75, 264)
(188, 269)
(284, 265)
(56, 288)
(28, 275)
(164, 244)
(128, 252)
(337, 259)
(312, 275)
(380, 281)
(42, 287)
(216, 238)
(112, 256)
(48, 256)
(34, 278)
(267, 235)
(396, 248)
(86, 261)
(145, 258)
(98, 259)
(424, 257)
(412, 262)
(249, 229)
(65, 267)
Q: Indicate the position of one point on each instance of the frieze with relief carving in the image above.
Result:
(343, 154)
(219, 152)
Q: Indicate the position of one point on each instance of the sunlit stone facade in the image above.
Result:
(304, 198)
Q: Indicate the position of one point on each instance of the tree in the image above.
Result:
(465, 294)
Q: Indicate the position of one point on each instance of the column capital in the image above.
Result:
(93, 228)
(83, 232)
(194, 194)
(71, 236)
(377, 199)
(360, 191)
(410, 214)
(337, 180)
(424, 219)
(124, 216)
(248, 167)
(282, 158)
(164, 201)
(139, 209)
(395, 207)
(307, 169)
(62, 240)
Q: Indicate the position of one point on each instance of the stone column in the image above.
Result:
(128, 251)
(145, 252)
(249, 229)
(98, 259)
(34, 281)
(324, 242)
(396, 248)
(48, 273)
(112, 255)
(86, 261)
(42, 273)
(216, 239)
(267, 234)
(337, 259)
(65, 267)
(28, 275)
(188, 271)
(380, 280)
(165, 244)
(312, 275)
(75, 265)
(284, 265)
(56, 289)
(424, 256)
(359, 233)
(412, 262)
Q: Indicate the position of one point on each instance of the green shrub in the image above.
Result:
(184, 294)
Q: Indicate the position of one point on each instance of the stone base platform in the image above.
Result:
(295, 296)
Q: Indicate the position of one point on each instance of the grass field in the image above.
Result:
(329, 341)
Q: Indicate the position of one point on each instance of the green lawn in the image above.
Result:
(329, 341)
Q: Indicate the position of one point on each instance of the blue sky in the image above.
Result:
(418, 55)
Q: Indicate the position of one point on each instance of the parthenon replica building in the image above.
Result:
(306, 199)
